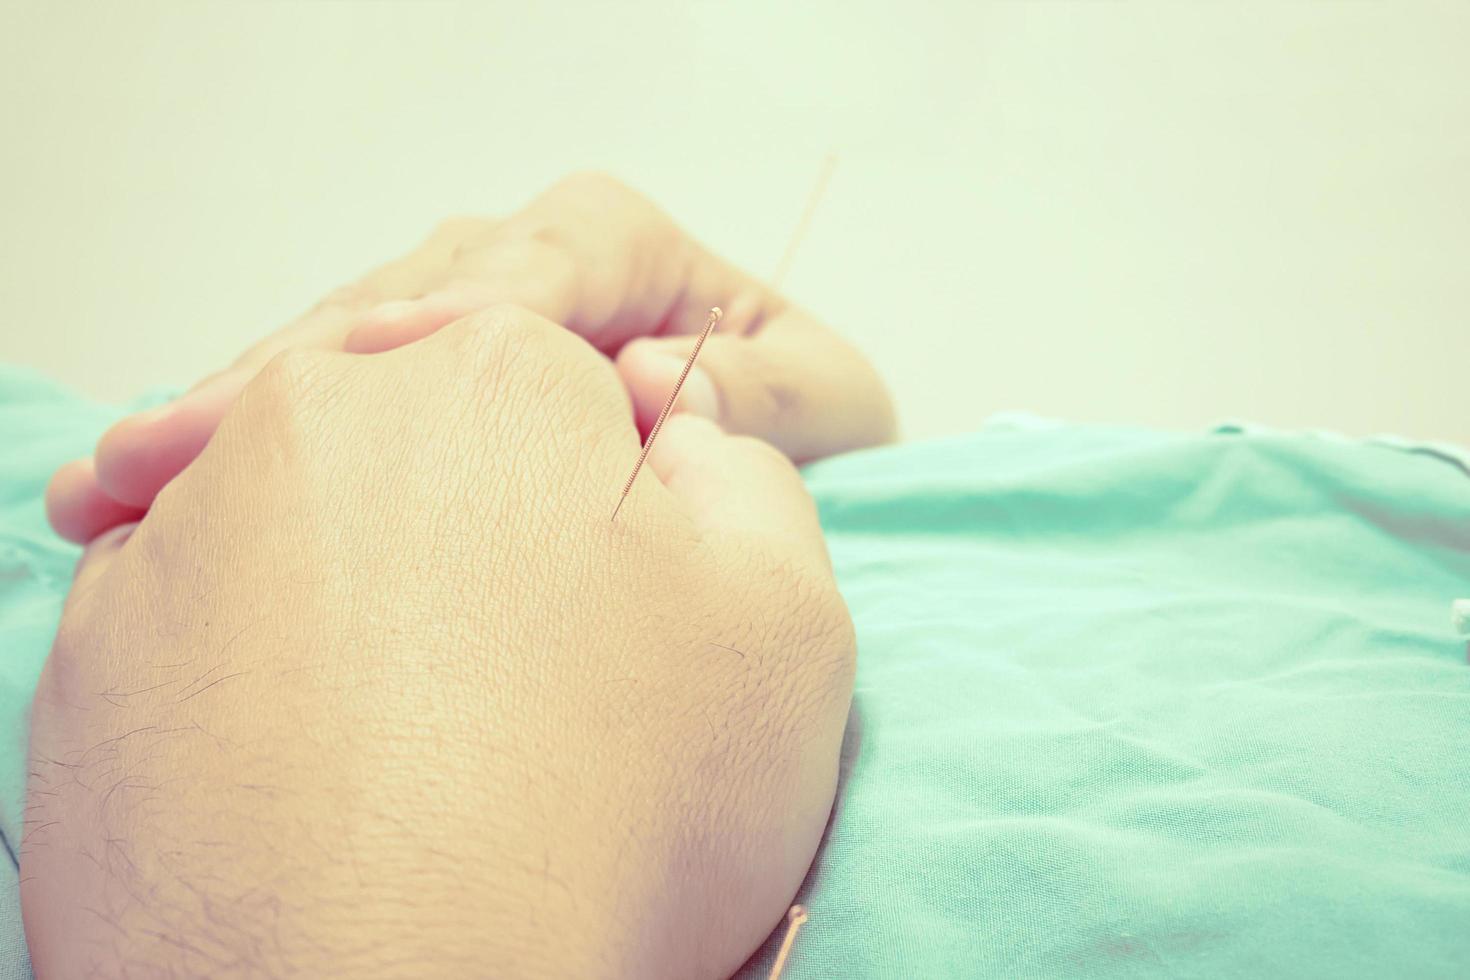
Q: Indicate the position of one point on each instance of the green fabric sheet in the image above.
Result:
(1133, 704)
(1129, 704)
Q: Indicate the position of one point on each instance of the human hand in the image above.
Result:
(590, 254)
(378, 689)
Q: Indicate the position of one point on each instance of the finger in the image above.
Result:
(526, 272)
(397, 285)
(650, 370)
(424, 268)
(139, 455)
(793, 383)
(736, 483)
(77, 506)
(393, 325)
(142, 453)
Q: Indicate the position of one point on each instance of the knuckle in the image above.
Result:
(294, 387)
(455, 228)
(284, 442)
(353, 296)
(497, 332)
(559, 216)
(290, 373)
(592, 184)
(513, 357)
(450, 241)
(530, 375)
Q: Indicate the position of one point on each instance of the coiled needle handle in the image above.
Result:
(709, 325)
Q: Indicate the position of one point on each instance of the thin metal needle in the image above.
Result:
(799, 232)
(714, 317)
(782, 268)
(794, 920)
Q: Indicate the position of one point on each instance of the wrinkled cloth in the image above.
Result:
(1133, 704)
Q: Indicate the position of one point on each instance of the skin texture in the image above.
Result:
(377, 689)
(590, 254)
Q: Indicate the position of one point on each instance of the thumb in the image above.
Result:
(794, 383)
(735, 483)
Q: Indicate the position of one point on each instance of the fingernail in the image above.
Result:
(699, 396)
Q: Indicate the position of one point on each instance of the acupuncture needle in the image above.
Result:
(714, 317)
(828, 165)
(794, 919)
(812, 200)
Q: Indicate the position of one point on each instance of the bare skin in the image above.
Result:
(377, 689)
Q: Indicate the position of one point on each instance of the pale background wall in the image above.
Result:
(1161, 213)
